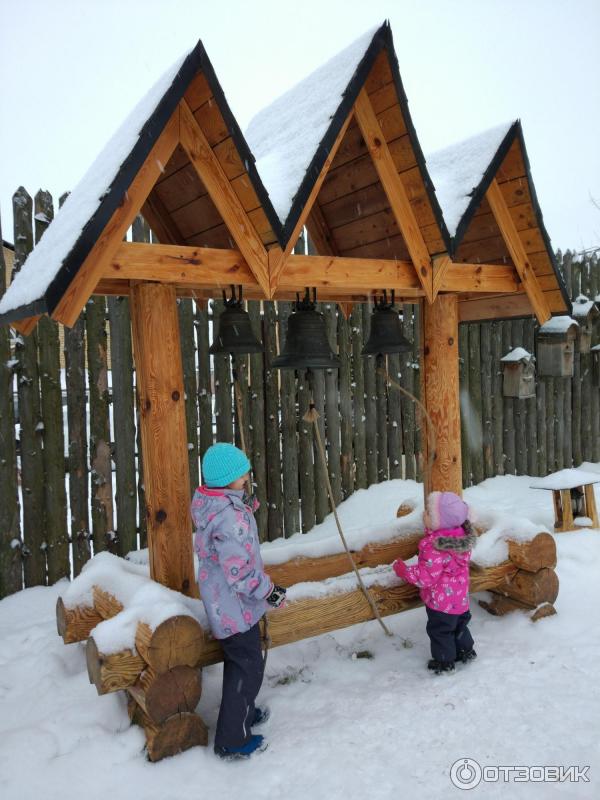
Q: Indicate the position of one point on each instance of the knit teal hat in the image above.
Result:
(222, 464)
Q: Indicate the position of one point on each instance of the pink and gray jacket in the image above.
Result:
(233, 583)
(442, 572)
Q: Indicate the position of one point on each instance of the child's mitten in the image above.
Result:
(399, 568)
(276, 597)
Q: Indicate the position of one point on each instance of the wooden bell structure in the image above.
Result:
(234, 330)
(386, 330)
(306, 343)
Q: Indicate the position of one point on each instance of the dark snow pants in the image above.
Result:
(448, 633)
(243, 668)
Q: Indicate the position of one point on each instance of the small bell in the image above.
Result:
(234, 330)
(386, 330)
(306, 343)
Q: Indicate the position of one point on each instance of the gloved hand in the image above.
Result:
(399, 568)
(276, 596)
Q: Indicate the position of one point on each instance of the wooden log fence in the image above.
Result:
(71, 472)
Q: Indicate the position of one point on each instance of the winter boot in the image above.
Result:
(260, 715)
(440, 666)
(466, 655)
(256, 744)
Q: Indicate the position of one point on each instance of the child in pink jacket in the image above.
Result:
(442, 574)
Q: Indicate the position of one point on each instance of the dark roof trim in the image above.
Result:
(35, 309)
(382, 40)
(514, 132)
(8, 245)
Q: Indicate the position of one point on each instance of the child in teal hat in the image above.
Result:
(235, 591)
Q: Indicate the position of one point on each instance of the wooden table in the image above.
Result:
(572, 489)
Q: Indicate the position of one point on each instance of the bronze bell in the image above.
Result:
(234, 330)
(386, 330)
(306, 343)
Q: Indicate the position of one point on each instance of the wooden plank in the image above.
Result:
(463, 380)
(223, 385)
(440, 388)
(475, 421)
(497, 399)
(158, 218)
(273, 448)
(519, 413)
(278, 266)
(10, 523)
(508, 410)
(517, 252)
(381, 422)
(487, 398)
(55, 511)
(531, 405)
(305, 455)
(478, 278)
(370, 402)
(121, 367)
(319, 232)
(333, 404)
(408, 405)
(30, 423)
(317, 385)
(358, 398)
(257, 421)
(334, 272)
(185, 312)
(77, 417)
(394, 418)
(212, 175)
(395, 191)
(103, 532)
(89, 273)
(498, 307)
(345, 399)
(417, 357)
(289, 437)
(140, 232)
(160, 391)
(204, 385)
(440, 266)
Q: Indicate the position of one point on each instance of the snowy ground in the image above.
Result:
(341, 726)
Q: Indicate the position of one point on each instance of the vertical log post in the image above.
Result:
(440, 393)
(157, 354)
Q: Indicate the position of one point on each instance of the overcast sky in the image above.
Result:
(72, 69)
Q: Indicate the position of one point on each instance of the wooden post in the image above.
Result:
(157, 353)
(440, 393)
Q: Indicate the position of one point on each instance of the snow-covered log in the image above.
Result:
(75, 624)
(177, 641)
(110, 672)
(160, 696)
(534, 554)
(530, 588)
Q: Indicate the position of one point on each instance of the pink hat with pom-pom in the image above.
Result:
(446, 510)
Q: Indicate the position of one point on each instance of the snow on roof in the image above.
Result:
(285, 135)
(582, 306)
(45, 261)
(457, 171)
(558, 325)
(518, 354)
(567, 479)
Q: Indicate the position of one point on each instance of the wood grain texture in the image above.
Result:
(175, 642)
(157, 354)
(75, 624)
(440, 392)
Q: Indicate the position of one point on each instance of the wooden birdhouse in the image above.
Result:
(519, 374)
(595, 351)
(556, 347)
(585, 313)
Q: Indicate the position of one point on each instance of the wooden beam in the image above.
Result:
(349, 274)
(498, 307)
(211, 174)
(92, 269)
(278, 266)
(319, 232)
(459, 278)
(517, 252)
(159, 377)
(395, 191)
(197, 267)
(440, 394)
(25, 326)
(160, 222)
(441, 265)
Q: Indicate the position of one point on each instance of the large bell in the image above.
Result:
(234, 330)
(306, 343)
(386, 330)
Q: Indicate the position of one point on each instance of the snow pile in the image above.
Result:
(382, 575)
(566, 479)
(518, 354)
(457, 171)
(285, 135)
(45, 261)
(561, 324)
(143, 600)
